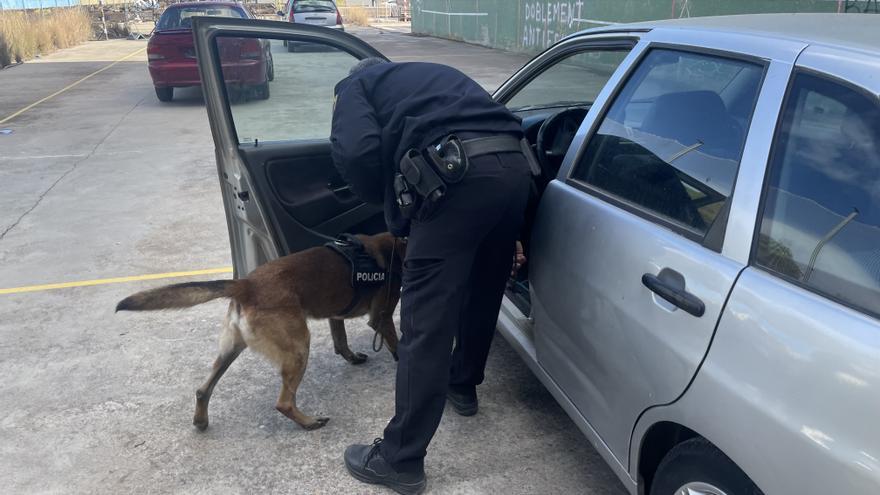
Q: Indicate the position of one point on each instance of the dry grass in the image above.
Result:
(23, 35)
(357, 15)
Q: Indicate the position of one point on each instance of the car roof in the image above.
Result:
(201, 4)
(856, 31)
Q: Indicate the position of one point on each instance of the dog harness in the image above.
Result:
(365, 271)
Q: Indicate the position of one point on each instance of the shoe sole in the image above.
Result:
(401, 488)
(462, 410)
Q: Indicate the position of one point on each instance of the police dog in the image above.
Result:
(268, 312)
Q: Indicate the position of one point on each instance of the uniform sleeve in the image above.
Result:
(355, 142)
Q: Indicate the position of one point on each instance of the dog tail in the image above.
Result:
(178, 296)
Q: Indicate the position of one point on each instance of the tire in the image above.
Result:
(697, 467)
(270, 68)
(165, 94)
(261, 91)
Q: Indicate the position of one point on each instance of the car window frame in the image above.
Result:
(555, 54)
(245, 32)
(714, 237)
(774, 150)
(222, 122)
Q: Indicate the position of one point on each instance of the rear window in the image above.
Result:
(181, 17)
(821, 222)
(306, 6)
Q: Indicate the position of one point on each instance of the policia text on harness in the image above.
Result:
(365, 271)
(422, 176)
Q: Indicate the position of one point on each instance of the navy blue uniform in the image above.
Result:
(458, 255)
(384, 110)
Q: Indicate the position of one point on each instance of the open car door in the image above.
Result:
(270, 111)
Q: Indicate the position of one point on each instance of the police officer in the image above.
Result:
(461, 237)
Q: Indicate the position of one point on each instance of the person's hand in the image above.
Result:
(519, 259)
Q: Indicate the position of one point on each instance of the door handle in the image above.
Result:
(674, 293)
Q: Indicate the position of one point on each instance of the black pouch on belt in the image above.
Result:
(421, 176)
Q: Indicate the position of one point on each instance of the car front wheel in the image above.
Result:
(696, 467)
(165, 94)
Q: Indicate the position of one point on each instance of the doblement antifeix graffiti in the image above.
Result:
(532, 25)
(546, 22)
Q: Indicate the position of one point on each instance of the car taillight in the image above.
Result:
(154, 52)
(251, 49)
(338, 17)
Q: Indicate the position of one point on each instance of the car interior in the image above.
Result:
(837, 245)
(550, 131)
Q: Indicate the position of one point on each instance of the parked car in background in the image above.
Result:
(247, 62)
(703, 289)
(314, 12)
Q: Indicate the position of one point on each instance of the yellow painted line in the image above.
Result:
(70, 86)
(115, 280)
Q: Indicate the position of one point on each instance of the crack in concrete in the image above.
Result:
(71, 169)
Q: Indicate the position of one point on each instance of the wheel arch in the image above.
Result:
(658, 440)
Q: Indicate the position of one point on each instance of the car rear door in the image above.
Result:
(632, 260)
(280, 190)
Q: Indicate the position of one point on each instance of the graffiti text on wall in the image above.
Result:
(545, 22)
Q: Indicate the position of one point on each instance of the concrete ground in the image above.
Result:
(104, 181)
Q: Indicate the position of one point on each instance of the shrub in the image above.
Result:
(357, 15)
(26, 34)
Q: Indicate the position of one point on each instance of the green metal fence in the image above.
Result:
(532, 25)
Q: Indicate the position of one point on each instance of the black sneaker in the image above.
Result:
(366, 464)
(464, 402)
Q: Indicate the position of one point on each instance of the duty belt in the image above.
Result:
(424, 175)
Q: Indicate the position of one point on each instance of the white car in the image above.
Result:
(322, 13)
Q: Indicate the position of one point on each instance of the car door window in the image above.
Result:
(281, 91)
(574, 80)
(821, 222)
(671, 142)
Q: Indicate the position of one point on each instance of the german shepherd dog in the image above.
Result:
(268, 311)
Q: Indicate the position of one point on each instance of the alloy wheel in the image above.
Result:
(699, 488)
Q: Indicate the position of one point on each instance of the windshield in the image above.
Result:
(181, 17)
(305, 6)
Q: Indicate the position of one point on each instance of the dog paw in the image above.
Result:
(358, 358)
(201, 424)
(318, 423)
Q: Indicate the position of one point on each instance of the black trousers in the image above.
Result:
(458, 260)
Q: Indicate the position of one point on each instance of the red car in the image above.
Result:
(247, 62)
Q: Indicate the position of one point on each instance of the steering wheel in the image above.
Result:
(554, 137)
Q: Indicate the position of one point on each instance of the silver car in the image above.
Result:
(703, 288)
(322, 13)
(314, 12)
